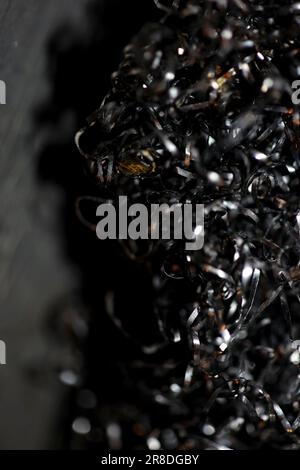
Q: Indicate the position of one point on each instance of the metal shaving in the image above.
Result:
(200, 111)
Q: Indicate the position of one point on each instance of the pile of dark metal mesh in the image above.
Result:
(201, 111)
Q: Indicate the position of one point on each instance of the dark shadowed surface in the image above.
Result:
(33, 269)
(39, 43)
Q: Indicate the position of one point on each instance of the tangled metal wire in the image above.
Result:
(201, 111)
